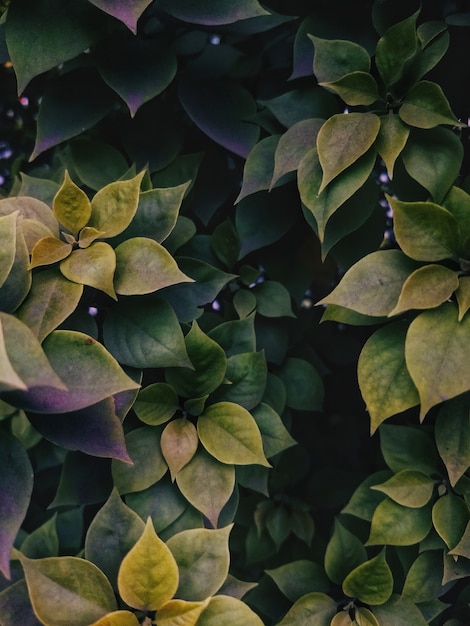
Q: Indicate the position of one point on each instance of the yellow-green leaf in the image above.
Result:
(426, 106)
(156, 404)
(148, 576)
(463, 295)
(180, 613)
(227, 611)
(364, 617)
(371, 582)
(391, 140)
(450, 516)
(179, 443)
(397, 525)
(71, 206)
(49, 250)
(356, 88)
(93, 266)
(408, 487)
(118, 618)
(88, 235)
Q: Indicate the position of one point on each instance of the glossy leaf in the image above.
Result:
(67, 589)
(179, 442)
(156, 404)
(226, 611)
(202, 556)
(433, 370)
(452, 432)
(383, 377)
(370, 582)
(48, 250)
(180, 612)
(342, 140)
(93, 266)
(397, 525)
(356, 88)
(450, 517)
(427, 288)
(335, 58)
(303, 384)
(16, 485)
(409, 488)
(274, 434)
(426, 106)
(128, 15)
(313, 606)
(391, 140)
(71, 206)
(398, 44)
(344, 553)
(215, 13)
(148, 576)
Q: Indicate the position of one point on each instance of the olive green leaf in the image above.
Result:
(399, 611)
(203, 559)
(93, 266)
(433, 370)
(118, 618)
(463, 546)
(179, 442)
(156, 404)
(67, 589)
(175, 612)
(7, 244)
(344, 552)
(334, 58)
(373, 285)
(48, 250)
(9, 379)
(304, 385)
(218, 480)
(364, 617)
(408, 448)
(274, 434)
(450, 517)
(236, 336)
(423, 582)
(425, 231)
(315, 607)
(18, 282)
(227, 611)
(144, 266)
(355, 88)
(391, 140)
(259, 167)
(71, 206)
(148, 576)
(426, 288)
(452, 432)
(383, 377)
(397, 525)
(272, 299)
(408, 487)
(371, 582)
(114, 206)
(246, 379)
(364, 500)
(398, 44)
(426, 106)
(342, 139)
(30, 209)
(88, 235)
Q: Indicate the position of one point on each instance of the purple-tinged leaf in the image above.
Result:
(127, 12)
(212, 12)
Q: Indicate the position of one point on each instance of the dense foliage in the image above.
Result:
(234, 313)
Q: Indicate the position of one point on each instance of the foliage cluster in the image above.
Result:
(234, 316)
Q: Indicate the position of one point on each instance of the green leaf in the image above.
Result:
(50, 301)
(364, 500)
(298, 578)
(127, 14)
(399, 611)
(356, 88)
(175, 612)
(408, 487)
(391, 140)
(48, 250)
(334, 58)
(148, 576)
(423, 582)
(156, 404)
(218, 480)
(145, 336)
(433, 370)
(371, 582)
(72, 27)
(93, 266)
(30, 209)
(425, 231)
(373, 285)
(303, 384)
(209, 363)
(258, 168)
(112, 533)
(450, 517)
(149, 465)
(274, 434)
(408, 448)
(15, 603)
(7, 244)
(225, 243)
(118, 618)
(316, 607)
(179, 442)
(364, 617)
(95, 163)
(452, 432)
(71, 206)
(397, 525)
(462, 549)
(426, 106)
(9, 379)
(342, 140)
(226, 611)
(144, 266)
(427, 288)
(231, 435)
(383, 377)
(114, 206)
(235, 336)
(214, 12)
(43, 541)
(246, 379)
(343, 554)
(398, 44)
(203, 558)
(272, 299)
(67, 590)
(16, 485)
(433, 158)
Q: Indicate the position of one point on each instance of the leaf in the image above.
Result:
(427, 288)
(370, 582)
(218, 480)
(425, 231)
(398, 44)
(48, 250)
(355, 88)
(15, 604)
(209, 363)
(128, 15)
(274, 434)
(50, 301)
(399, 611)
(231, 435)
(391, 140)
(303, 384)
(343, 554)
(452, 432)
(30, 209)
(342, 140)
(16, 485)
(450, 517)
(214, 13)
(317, 608)
(235, 336)
(93, 266)
(433, 370)
(203, 558)
(426, 106)
(364, 617)
(180, 613)
(226, 611)
(156, 404)
(383, 377)
(334, 58)
(258, 168)
(71, 206)
(246, 377)
(112, 533)
(144, 266)
(397, 525)
(145, 336)
(298, 578)
(9, 379)
(118, 618)
(148, 465)
(364, 500)
(408, 448)
(7, 244)
(67, 589)
(114, 206)
(73, 28)
(148, 576)
(423, 582)
(462, 549)
(179, 442)
(408, 487)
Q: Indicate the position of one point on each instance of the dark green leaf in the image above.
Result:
(398, 44)
(335, 58)
(404, 447)
(316, 608)
(214, 12)
(452, 431)
(426, 106)
(303, 385)
(344, 553)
